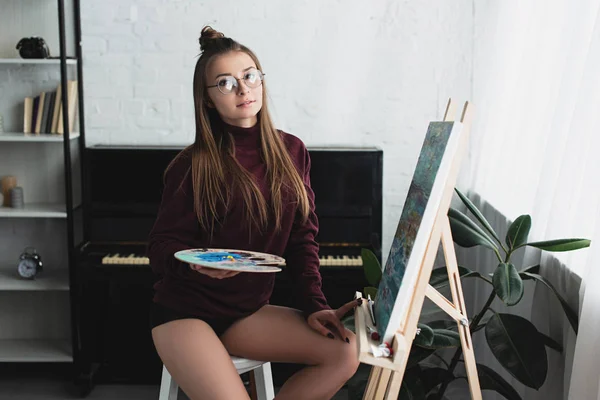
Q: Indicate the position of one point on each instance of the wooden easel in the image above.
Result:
(387, 373)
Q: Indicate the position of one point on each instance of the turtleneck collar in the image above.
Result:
(246, 137)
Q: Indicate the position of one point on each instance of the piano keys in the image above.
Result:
(138, 259)
(131, 259)
(341, 261)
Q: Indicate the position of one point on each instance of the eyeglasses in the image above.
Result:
(228, 84)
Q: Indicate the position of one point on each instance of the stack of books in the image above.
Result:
(44, 113)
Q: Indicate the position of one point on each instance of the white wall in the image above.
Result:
(374, 73)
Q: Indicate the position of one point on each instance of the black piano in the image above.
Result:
(123, 187)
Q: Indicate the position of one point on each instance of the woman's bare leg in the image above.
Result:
(281, 334)
(197, 360)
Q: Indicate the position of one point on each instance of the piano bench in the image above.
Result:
(260, 375)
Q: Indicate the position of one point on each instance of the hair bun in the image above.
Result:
(207, 36)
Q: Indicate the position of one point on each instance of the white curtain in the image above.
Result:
(535, 149)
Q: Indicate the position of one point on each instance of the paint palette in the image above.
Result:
(232, 260)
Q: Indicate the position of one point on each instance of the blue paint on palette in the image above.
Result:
(218, 256)
(424, 176)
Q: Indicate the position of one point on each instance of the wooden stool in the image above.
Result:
(261, 380)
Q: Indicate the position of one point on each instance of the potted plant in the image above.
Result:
(515, 342)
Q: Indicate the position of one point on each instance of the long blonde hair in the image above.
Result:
(213, 161)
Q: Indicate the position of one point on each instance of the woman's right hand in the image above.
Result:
(213, 272)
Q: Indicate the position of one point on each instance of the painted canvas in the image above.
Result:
(415, 225)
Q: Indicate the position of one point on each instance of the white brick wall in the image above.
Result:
(375, 73)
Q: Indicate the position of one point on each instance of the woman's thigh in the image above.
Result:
(197, 360)
(281, 334)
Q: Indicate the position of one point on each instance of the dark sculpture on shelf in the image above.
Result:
(33, 47)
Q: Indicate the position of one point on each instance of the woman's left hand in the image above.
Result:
(320, 321)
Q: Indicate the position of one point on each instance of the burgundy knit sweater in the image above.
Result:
(177, 228)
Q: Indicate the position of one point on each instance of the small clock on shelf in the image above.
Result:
(30, 263)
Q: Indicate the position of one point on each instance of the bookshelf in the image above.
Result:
(38, 323)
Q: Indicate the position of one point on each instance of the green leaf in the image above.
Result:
(443, 324)
(439, 276)
(405, 393)
(418, 354)
(482, 323)
(441, 283)
(357, 384)
(411, 390)
(466, 233)
(425, 336)
(412, 386)
(534, 269)
(561, 244)
(508, 284)
(444, 338)
(371, 267)
(370, 291)
(549, 342)
(477, 214)
(571, 315)
(433, 377)
(518, 232)
(491, 380)
(516, 344)
(431, 310)
(435, 396)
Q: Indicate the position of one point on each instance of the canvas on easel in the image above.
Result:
(404, 284)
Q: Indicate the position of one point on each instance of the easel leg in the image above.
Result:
(381, 389)
(394, 386)
(459, 302)
(384, 384)
(372, 383)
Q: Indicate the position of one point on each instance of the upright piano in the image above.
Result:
(122, 194)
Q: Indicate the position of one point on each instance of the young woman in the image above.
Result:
(241, 185)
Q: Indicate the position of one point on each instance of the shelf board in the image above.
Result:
(35, 210)
(41, 61)
(35, 350)
(32, 137)
(47, 280)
